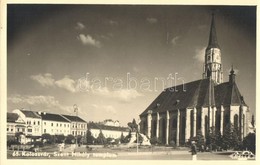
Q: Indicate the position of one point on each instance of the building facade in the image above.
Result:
(77, 125)
(33, 124)
(55, 124)
(179, 112)
(15, 124)
(108, 131)
(32, 120)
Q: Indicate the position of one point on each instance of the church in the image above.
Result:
(177, 115)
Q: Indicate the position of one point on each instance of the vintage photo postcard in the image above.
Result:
(129, 82)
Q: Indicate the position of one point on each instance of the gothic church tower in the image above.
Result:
(213, 66)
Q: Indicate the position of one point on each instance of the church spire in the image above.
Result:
(213, 42)
(213, 66)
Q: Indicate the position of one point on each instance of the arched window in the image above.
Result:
(174, 123)
(154, 128)
(227, 119)
(206, 124)
(174, 129)
(163, 130)
(236, 121)
(199, 120)
(191, 123)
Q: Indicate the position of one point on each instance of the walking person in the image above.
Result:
(193, 150)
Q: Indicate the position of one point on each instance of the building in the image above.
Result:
(180, 111)
(32, 120)
(55, 124)
(34, 124)
(15, 124)
(113, 132)
(77, 125)
(111, 122)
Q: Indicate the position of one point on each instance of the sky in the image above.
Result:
(111, 60)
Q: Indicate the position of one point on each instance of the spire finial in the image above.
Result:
(213, 43)
(232, 70)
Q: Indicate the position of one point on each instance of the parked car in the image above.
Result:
(243, 155)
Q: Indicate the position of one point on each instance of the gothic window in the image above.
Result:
(174, 123)
(208, 58)
(191, 123)
(206, 124)
(227, 119)
(154, 128)
(236, 122)
(218, 118)
(199, 120)
(163, 130)
(182, 130)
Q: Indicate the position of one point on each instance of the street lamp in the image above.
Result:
(75, 107)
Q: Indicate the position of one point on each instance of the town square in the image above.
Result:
(130, 82)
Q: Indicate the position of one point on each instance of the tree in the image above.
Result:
(89, 137)
(47, 137)
(200, 140)
(60, 138)
(17, 136)
(236, 142)
(79, 139)
(122, 138)
(218, 139)
(249, 142)
(227, 137)
(101, 138)
(70, 139)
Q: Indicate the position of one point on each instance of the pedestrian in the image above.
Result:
(193, 150)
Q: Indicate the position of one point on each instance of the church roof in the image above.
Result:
(228, 94)
(213, 42)
(196, 94)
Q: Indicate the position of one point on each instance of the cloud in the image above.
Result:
(66, 83)
(152, 20)
(107, 108)
(174, 40)
(83, 84)
(44, 102)
(110, 109)
(125, 95)
(80, 26)
(45, 80)
(200, 54)
(89, 40)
